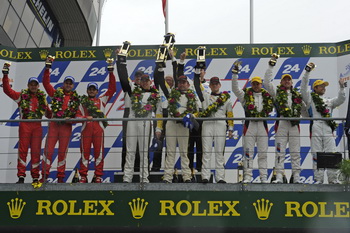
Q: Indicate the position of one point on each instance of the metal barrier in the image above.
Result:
(113, 160)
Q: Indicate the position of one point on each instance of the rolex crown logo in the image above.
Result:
(306, 49)
(107, 52)
(239, 50)
(43, 54)
(263, 208)
(175, 51)
(138, 207)
(15, 207)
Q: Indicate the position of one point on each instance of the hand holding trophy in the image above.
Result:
(123, 52)
(273, 59)
(162, 55)
(110, 66)
(309, 67)
(6, 68)
(236, 65)
(49, 60)
(201, 58)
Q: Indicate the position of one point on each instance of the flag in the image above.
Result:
(164, 2)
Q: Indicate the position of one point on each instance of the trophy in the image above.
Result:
(201, 57)
(309, 67)
(273, 59)
(123, 53)
(110, 64)
(169, 39)
(236, 65)
(49, 61)
(162, 55)
(5, 69)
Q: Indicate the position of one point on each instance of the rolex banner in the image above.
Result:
(89, 65)
(166, 209)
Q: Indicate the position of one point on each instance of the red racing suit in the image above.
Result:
(30, 133)
(93, 132)
(56, 132)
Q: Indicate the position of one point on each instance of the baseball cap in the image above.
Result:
(138, 73)
(286, 76)
(319, 82)
(256, 79)
(145, 77)
(69, 78)
(33, 79)
(183, 78)
(214, 80)
(92, 85)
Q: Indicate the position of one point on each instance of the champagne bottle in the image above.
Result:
(273, 175)
(76, 176)
(240, 172)
(193, 176)
(175, 176)
(291, 181)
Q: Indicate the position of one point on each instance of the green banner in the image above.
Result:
(176, 209)
(150, 51)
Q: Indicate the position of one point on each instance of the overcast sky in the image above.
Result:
(225, 21)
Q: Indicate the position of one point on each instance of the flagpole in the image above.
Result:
(98, 23)
(166, 17)
(251, 22)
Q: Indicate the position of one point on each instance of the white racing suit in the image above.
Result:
(176, 134)
(285, 134)
(322, 139)
(215, 131)
(253, 132)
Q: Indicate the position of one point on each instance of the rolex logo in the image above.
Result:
(107, 52)
(15, 207)
(43, 54)
(306, 49)
(263, 208)
(239, 50)
(138, 207)
(175, 51)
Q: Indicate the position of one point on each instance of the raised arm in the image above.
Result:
(123, 76)
(304, 87)
(159, 80)
(46, 79)
(197, 84)
(239, 93)
(337, 101)
(270, 87)
(6, 84)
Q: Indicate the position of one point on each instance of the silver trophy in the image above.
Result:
(123, 53)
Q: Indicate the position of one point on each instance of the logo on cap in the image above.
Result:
(69, 78)
(92, 85)
(33, 79)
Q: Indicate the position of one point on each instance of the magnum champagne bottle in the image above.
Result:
(273, 175)
(76, 176)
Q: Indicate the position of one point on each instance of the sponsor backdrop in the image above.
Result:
(164, 209)
(88, 65)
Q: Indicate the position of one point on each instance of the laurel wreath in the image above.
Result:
(282, 100)
(151, 105)
(92, 110)
(322, 109)
(26, 99)
(251, 109)
(174, 98)
(220, 101)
